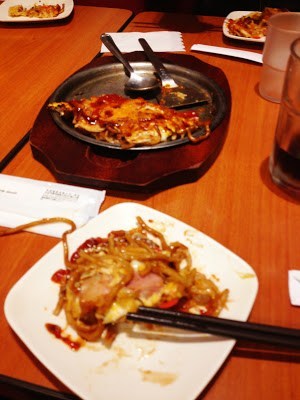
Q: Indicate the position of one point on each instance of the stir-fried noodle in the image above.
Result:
(108, 277)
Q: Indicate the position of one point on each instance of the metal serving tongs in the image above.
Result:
(136, 82)
(172, 94)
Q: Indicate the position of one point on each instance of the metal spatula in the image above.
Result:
(172, 94)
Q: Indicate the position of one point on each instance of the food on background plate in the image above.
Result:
(130, 122)
(108, 277)
(36, 11)
(253, 25)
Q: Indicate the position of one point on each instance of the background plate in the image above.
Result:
(4, 17)
(110, 79)
(136, 367)
(236, 15)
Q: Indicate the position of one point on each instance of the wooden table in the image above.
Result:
(234, 202)
(37, 57)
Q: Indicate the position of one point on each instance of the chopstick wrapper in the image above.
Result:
(248, 55)
(25, 200)
(294, 286)
(159, 41)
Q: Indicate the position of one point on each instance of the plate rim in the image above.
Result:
(235, 15)
(4, 17)
(226, 344)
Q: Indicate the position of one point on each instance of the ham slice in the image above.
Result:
(146, 285)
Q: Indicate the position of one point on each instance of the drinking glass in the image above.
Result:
(285, 158)
(283, 29)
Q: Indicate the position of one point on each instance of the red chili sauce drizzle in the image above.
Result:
(88, 245)
(60, 277)
(58, 333)
(113, 100)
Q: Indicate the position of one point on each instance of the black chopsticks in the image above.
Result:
(269, 334)
(14, 151)
(12, 388)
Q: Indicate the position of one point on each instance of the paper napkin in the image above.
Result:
(25, 200)
(294, 286)
(159, 41)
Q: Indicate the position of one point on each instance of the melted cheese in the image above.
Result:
(129, 122)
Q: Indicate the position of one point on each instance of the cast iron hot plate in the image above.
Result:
(76, 161)
(111, 78)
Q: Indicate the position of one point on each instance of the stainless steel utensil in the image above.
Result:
(172, 94)
(136, 82)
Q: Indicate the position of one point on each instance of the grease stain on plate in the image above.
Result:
(161, 378)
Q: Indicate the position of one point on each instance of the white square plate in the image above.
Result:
(138, 366)
(236, 15)
(4, 17)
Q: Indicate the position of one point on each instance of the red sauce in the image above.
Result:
(88, 244)
(93, 243)
(112, 100)
(168, 304)
(58, 333)
(60, 276)
(189, 114)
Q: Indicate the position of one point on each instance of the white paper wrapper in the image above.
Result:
(158, 41)
(248, 55)
(294, 286)
(25, 200)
